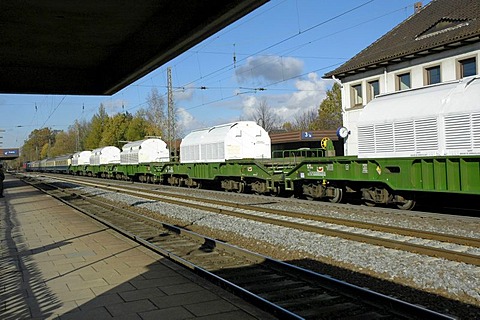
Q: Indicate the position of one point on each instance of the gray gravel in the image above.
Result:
(452, 280)
(455, 280)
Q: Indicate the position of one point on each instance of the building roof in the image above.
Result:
(296, 136)
(97, 47)
(440, 25)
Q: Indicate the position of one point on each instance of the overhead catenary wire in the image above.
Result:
(239, 60)
(236, 61)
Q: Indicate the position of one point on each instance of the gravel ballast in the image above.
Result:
(410, 274)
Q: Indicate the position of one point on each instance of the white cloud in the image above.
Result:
(183, 94)
(249, 103)
(269, 68)
(310, 93)
(186, 122)
(113, 107)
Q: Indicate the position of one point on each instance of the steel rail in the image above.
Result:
(380, 301)
(428, 235)
(378, 241)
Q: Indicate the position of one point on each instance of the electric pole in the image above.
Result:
(171, 114)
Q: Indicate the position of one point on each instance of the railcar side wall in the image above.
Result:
(211, 171)
(459, 174)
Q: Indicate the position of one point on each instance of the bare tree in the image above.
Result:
(305, 120)
(264, 116)
(155, 114)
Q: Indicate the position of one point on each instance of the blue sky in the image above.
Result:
(284, 47)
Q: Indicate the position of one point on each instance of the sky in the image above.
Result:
(276, 55)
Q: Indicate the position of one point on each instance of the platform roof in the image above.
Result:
(93, 47)
(439, 26)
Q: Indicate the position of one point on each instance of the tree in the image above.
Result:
(302, 122)
(265, 116)
(64, 143)
(37, 145)
(81, 130)
(330, 110)
(136, 128)
(155, 114)
(95, 133)
(115, 130)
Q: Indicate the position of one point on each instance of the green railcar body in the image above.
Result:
(313, 174)
(231, 174)
(455, 174)
(142, 172)
(78, 170)
(101, 171)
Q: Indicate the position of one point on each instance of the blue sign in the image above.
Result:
(10, 153)
(307, 135)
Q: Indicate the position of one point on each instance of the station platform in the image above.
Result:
(57, 263)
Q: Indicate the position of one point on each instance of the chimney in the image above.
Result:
(417, 6)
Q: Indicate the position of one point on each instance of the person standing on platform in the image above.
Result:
(2, 177)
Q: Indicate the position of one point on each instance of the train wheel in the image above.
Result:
(275, 193)
(192, 184)
(259, 187)
(369, 203)
(406, 205)
(338, 195)
(241, 187)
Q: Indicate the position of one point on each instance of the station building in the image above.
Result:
(439, 43)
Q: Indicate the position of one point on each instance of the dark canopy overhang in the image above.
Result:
(97, 47)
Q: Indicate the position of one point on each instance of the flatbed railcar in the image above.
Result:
(397, 181)
(247, 175)
(311, 175)
(413, 143)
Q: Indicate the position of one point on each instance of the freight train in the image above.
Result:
(411, 143)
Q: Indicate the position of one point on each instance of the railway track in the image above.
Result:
(284, 290)
(440, 245)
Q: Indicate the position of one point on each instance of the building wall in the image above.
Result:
(354, 99)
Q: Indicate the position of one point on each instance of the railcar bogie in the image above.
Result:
(320, 190)
(394, 182)
(315, 174)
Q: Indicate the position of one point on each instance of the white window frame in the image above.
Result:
(399, 84)
(371, 89)
(428, 79)
(461, 66)
(356, 95)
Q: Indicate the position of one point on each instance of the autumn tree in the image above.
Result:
(137, 128)
(37, 145)
(64, 143)
(115, 129)
(330, 111)
(97, 125)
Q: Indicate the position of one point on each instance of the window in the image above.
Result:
(468, 67)
(433, 75)
(403, 81)
(357, 98)
(373, 89)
